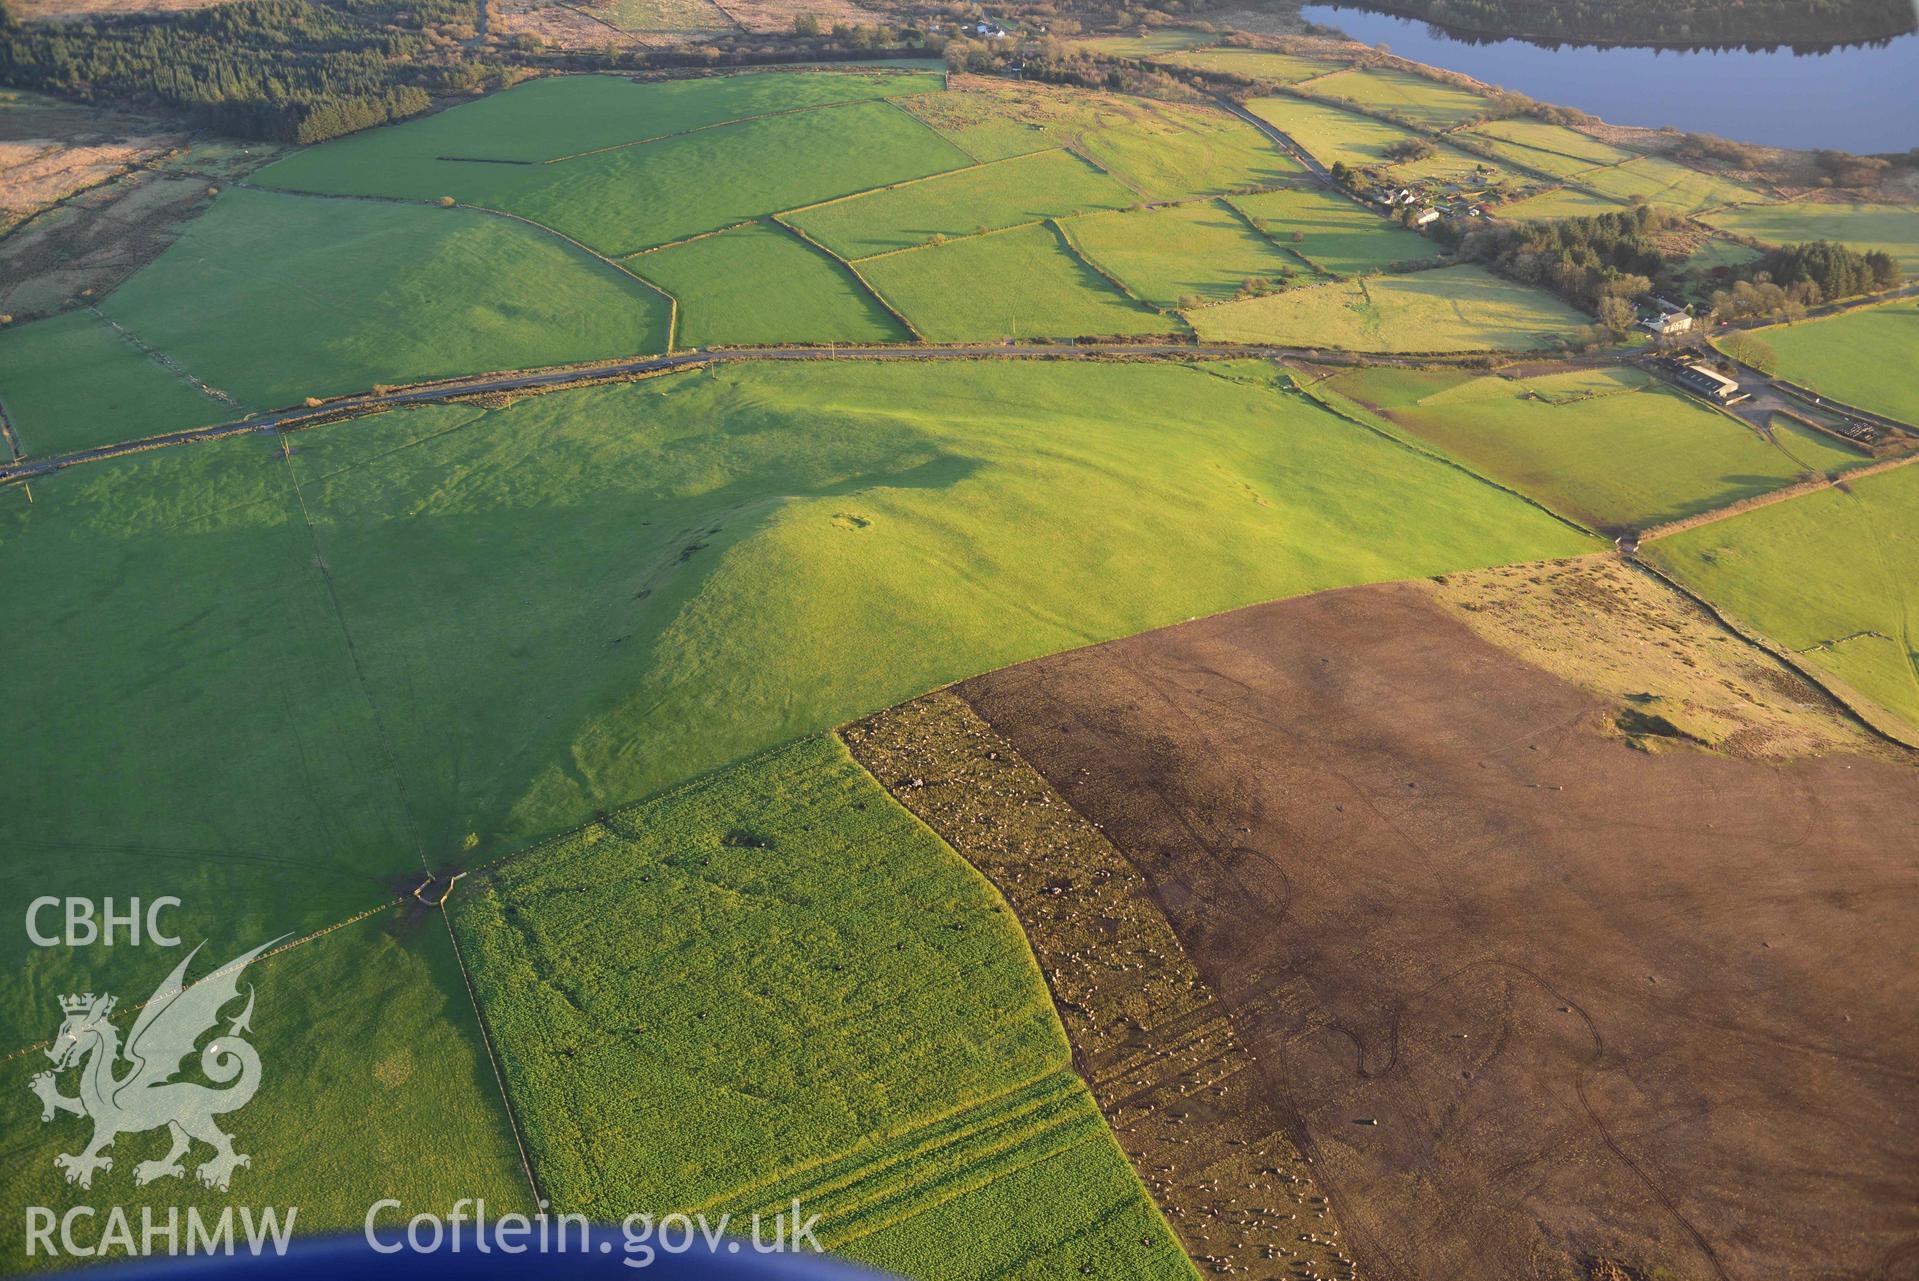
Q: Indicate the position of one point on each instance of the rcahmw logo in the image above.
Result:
(131, 1088)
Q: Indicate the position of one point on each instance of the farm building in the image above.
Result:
(1708, 382)
(1668, 318)
(1667, 323)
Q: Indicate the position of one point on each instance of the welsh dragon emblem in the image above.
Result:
(130, 1089)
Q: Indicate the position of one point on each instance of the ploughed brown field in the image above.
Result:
(1539, 991)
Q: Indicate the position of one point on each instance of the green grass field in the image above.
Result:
(282, 677)
(1021, 283)
(1719, 252)
(1462, 171)
(1152, 44)
(1024, 189)
(70, 381)
(777, 984)
(1463, 308)
(1813, 449)
(274, 297)
(1159, 150)
(1254, 64)
(1166, 254)
(1332, 134)
(639, 197)
(590, 645)
(1171, 153)
(762, 284)
(374, 1085)
(1868, 357)
(561, 116)
(176, 590)
(996, 120)
(1857, 546)
(197, 730)
(588, 596)
(1553, 149)
(276, 684)
(1335, 233)
(1893, 228)
(1665, 183)
(1562, 202)
(1610, 448)
(1424, 102)
(635, 197)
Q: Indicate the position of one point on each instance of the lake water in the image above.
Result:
(1863, 99)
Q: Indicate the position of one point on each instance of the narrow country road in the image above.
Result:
(358, 404)
(1280, 139)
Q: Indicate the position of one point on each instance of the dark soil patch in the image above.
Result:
(1602, 1004)
(1161, 1053)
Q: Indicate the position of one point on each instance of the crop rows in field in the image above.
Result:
(288, 677)
(780, 951)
